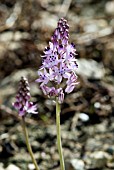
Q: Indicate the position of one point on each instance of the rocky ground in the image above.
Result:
(87, 120)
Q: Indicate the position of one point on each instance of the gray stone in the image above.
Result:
(31, 166)
(99, 159)
(110, 150)
(83, 117)
(109, 55)
(75, 164)
(109, 7)
(1, 166)
(12, 167)
(49, 22)
(9, 36)
(90, 69)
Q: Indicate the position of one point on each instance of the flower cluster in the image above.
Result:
(58, 64)
(22, 104)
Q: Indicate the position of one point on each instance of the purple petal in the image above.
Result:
(61, 97)
(69, 89)
(22, 112)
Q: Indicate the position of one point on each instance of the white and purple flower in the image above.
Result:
(59, 64)
(22, 103)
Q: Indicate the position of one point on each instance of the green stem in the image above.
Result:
(28, 144)
(59, 135)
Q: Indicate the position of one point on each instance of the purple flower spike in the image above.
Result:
(22, 103)
(57, 73)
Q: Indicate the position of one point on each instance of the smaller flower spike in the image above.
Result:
(22, 104)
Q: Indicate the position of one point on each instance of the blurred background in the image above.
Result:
(87, 117)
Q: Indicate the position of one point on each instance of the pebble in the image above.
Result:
(90, 69)
(12, 167)
(49, 22)
(1, 166)
(84, 117)
(97, 105)
(109, 7)
(91, 28)
(110, 150)
(9, 36)
(98, 159)
(75, 164)
(109, 55)
(31, 166)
